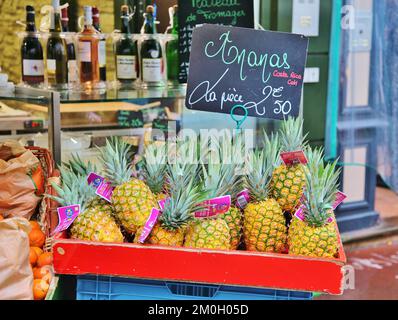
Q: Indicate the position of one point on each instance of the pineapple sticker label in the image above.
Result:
(262, 71)
(66, 216)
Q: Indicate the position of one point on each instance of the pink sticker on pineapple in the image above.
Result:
(295, 157)
(95, 180)
(66, 216)
(162, 203)
(300, 214)
(153, 218)
(105, 191)
(242, 199)
(340, 197)
(214, 207)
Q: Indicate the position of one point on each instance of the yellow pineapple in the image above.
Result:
(288, 181)
(218, 179)
(233, 218)
(95, 221)
(208, 234)
(176, 216)
(132, 199)
(264, 225)
(231, 154)
(316, 236)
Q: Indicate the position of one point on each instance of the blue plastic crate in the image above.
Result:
(115, 288)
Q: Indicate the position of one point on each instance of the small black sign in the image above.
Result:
(262, 71)
(163, 127)
(130, 119)
(239, 13)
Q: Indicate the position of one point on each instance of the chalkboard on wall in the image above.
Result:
(262, 71)
(239, 13)
(130, 119)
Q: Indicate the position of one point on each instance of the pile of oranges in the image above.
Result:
(40, 261)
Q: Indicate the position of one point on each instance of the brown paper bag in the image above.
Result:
(16, 277)
(21, 184)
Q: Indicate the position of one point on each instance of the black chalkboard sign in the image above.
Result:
(130, 119)
(163, 127)
(262, 71)
(239, 13)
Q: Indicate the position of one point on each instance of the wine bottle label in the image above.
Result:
(102, 53)
(51, 71)
(152, 70)
(72, 71)
(126, 67)
(51, 65)
(33, 67)
(85, 51)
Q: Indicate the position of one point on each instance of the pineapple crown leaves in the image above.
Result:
(184, 164)
(291, 135)
(116, 155)
(78, 166)
(220, 174)
(154, 167)
(74, 190)
(321, 188)
(260, 165)
(180, 206)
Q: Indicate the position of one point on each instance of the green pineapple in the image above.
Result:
(132, 199)
(317, 236)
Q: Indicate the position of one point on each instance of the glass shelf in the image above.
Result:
(116, 94)
(105, 95)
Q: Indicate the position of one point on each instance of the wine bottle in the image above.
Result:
(172, 47)
(126, 51)
(32, 52)
(70, 47)
(88, 43)
(101, 45)
(57, 57)
(152, 68)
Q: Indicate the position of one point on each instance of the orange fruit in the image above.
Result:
(48, 277)
(37, 238)
(42, 272)
(33, 257)
(45, 259)
(1, 217)
(35, 225)
(40, 289)
(38, 251)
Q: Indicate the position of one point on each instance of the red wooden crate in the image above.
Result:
(239, 268)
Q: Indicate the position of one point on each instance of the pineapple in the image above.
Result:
(154, 168)
(132, 199)
(288, 181)
(264, 222)
(214, 232)
(95, 221)
(234, 216)
(316, 236)
(177, 214)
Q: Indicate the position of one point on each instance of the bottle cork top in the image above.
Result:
(30, 9)
(150, 9)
